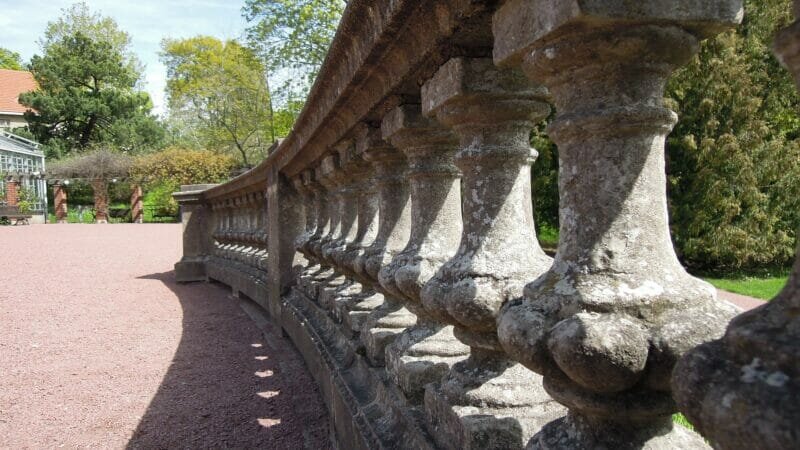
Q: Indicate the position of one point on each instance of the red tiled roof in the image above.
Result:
(13, 83)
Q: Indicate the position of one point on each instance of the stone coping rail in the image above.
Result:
(391, 237)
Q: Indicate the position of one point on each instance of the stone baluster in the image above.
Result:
(353, 310)
(319, 271)
(487, 401)
(301, 184)
(426, 351)
(262, 235)
(607, 323)
(352, 171)
(390, 318)
(252, 231)
(359, 222)
(742, 391)
(343, 218)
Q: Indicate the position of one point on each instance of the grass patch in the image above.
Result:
(764, 287)
(548, 237)
(680, 419)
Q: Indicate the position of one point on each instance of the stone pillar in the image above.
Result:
(607, 323)
(197, 229)
(137, 208)
(425, 352)
(12, 192)
(742, 391)
(60, 202)
(100, 189)
(285, 223)
(389, 319)
(493, 112)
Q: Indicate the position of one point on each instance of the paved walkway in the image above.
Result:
(99, 348)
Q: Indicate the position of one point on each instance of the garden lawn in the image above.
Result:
(764, 288)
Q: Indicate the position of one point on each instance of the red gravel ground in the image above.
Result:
(100, 348)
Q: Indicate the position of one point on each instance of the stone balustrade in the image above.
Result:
(391, 237)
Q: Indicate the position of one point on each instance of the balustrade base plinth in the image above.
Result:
(367, 409)
(488, 402)
(423, 354)
(382, 327)
(188, 270)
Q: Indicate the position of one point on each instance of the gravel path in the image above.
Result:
(100, 348)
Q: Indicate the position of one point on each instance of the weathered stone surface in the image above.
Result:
(387, 321)
(197, 223)
(492, 111)
(607, 323)
(427, 350)
(741, 391)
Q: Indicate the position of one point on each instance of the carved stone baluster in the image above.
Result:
(607, 323)
(426, 351)
(319, 271)
(352, 170)
(487, 401)
(307, 195)
(359, 219)
(354, 310)
(263, 235)
(389, 319)
(327, 273)
(339, 181)
(742, 391)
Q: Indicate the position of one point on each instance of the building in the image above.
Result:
(21, 161)
(12, 84)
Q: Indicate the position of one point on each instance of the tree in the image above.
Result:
(10, 60)
(79, 19)
(87, 95)
(293, 37)
(220, 90)
(734, 156)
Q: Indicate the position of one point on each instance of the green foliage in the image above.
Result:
(734, 157)
(87, 88)
(293, 36)
(219, 95)
(10, 60)
(545, 180)
(177, 166)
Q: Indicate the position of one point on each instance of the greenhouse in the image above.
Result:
(22, 165)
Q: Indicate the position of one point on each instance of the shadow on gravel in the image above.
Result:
(229, 385)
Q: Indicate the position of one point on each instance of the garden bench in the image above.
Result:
(12, 214)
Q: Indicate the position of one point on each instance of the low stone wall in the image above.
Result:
(391, 237)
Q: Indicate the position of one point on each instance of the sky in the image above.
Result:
(147, 21)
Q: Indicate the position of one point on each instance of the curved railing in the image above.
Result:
(391, 237)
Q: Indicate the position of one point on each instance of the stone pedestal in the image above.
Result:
(487, 401)
(607, 323)
(195, 218)
(742, 391)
